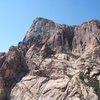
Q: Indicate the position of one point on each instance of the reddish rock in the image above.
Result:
(53, 62)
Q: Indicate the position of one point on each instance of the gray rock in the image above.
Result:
(53, 62)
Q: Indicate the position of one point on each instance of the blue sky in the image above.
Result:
(16, 16)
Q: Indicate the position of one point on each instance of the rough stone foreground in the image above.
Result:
(53, 62)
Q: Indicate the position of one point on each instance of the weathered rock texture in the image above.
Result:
(53, 62)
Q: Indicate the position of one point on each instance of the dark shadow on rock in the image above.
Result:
(12, 70)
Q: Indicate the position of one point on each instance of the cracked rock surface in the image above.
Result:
(53, 62)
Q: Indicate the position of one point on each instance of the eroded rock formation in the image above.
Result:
(53, 62)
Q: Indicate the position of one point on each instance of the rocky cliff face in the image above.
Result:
(53, 62)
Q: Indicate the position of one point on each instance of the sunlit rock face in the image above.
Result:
(40, 26)
(60, 37)
(53, 62)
